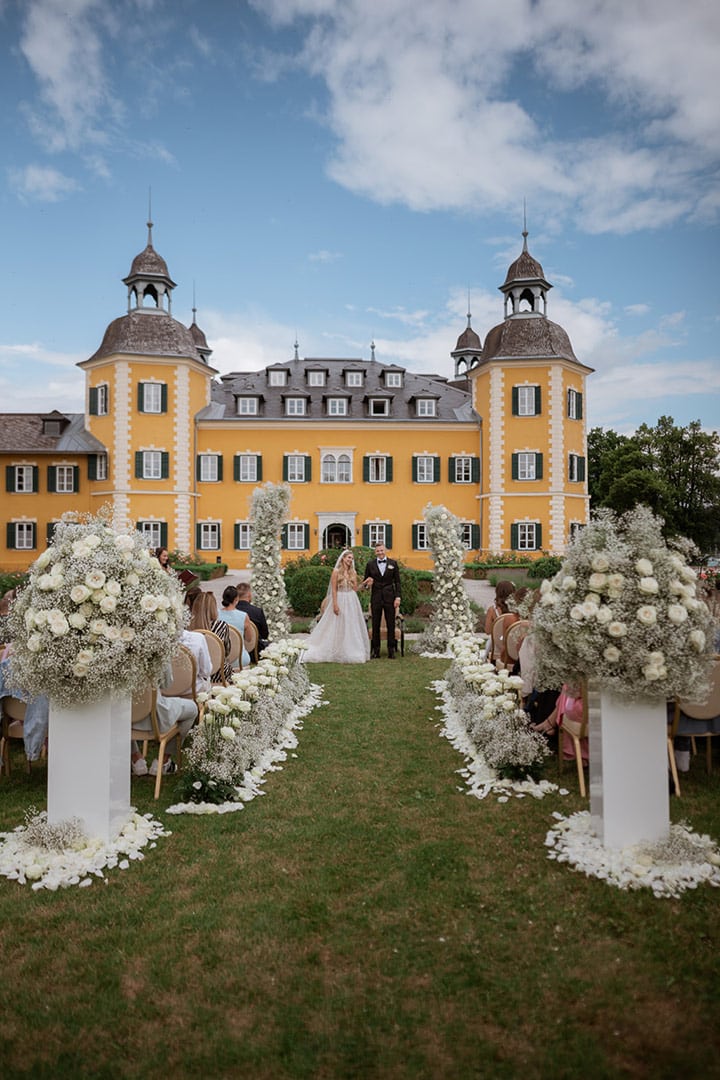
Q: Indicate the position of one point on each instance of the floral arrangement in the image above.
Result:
(268, 511)
(98, 616)
(451, 614)
(624, 610)
(242, 724)
(56, 856)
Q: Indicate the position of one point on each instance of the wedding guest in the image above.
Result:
(169, 711)
(197, 645)
(37, 709)
(239, 619)
(503, 590)
(255, 613)
(204, 616)
(570, 704)
(163, 557)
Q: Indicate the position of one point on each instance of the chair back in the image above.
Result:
(514, 638)
(499, 629)
(217, 653)
(709, 707)
(234, 657)
(143, 705)
(252, 632)
(13, 709)
(184, 674)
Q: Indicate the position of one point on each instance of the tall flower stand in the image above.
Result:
(629, 796)
(89, 766)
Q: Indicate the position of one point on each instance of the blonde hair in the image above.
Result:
(204, 611)
(345, 573)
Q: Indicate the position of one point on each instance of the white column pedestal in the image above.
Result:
(89, 765)
(629, 798)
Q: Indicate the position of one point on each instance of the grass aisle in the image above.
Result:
(364, 919)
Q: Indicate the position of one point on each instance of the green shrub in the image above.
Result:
(545, 567)
(306, 588)
(11, 580)
(408, 590)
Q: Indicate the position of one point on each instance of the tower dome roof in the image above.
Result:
(525, 268)
(149, 263)
(144, 335)
(532, 338)
(468, 340)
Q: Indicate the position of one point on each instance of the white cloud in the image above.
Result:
(636, 309)
(324, 256)
(40, 183)
(56, 382)
(409, 318)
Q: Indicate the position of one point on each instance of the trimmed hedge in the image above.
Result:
(307, 587)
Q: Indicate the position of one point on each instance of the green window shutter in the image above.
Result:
(9, 477)
(515, 404)
(284, 538)
(514, 473)
(163, 398)
(514, 537)
(236, 467)
(285, 467)
(415, 535)
(538, 466)
(258, 467)
(138, 464)
(306, 537)
(93, 401)
(579, 404)
(163, 534)
(92, 467)
(51, 478)
(198, 467)
(10, 535)
(198, 537)
(308, 468)
(581, 469)
(475, 537)
(475, 470)
(36, 478)
(236, 536)
(366, 535)
(219, 466)
(388, 469)
(538, 536)
(50, 531)
(414, 469)
(436, 469)
(76, 478)
(366, 469)
(538, 400)
(388, 536)
(141, 397)
(451, 469)
(164, 465)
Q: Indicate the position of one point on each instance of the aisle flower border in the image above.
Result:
(451, 615)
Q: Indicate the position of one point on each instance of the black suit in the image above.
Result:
(385, 588)
(256, 615)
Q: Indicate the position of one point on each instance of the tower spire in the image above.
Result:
(297, 347)
(525, 231)
(149, 220)
(469, 315)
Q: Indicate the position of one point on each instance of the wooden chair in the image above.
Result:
(671, 733)
(252, 632)
(13, 718)
(515, 637)
(399, 630)
(184, 677)
(216, 648)
(707, 709)
(144, 704)
(500, 627)
(577, 730)
(234, 657)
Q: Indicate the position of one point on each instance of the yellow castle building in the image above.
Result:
(364, 446)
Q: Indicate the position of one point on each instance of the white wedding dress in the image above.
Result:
(343, 638)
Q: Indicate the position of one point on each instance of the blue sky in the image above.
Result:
(346, 170)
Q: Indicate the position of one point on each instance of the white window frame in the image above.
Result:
(152, 465)
(527, 536)
(463, 469)
(151, 532)
(377, 464)
(526, 400)
(247, 468)
(466, 534)
(24, 535)
(247, 406)
(573, 460)
(101, 467)
(378, 407)
(295, 406)
(422, 537)
(64, 479)
(376, 533)
(152, 397)
(426, 406)
(425, 469)
(296, 535)
(353, 378)
(526, 462)
(576, 528)
(572, 403)
(296, 468)
(277, 378)
(336, 467)
(23, 486)
(244, 535)
(209, 468)
(102, 399)
(337, 406)
(209, 535)
(316, 378)
(393, 379)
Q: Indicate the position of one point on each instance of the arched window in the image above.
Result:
(329, 469)
(344, 469)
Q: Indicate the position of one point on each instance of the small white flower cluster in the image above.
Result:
(26, 857)
(451, 615)
(683, 861)
(624, 609)
(268, 511)
(98, 616)
(243, 725)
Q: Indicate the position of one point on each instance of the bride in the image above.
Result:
(340, 635)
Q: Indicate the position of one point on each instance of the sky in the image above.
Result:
(342, 171)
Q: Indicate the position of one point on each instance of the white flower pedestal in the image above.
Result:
(89, 766)
(629, 799)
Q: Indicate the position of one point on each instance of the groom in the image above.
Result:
(383, 574)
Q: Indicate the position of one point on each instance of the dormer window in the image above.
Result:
(316, 378)
(277, 377)
(51, 427)
(295, 406)
(426, 407)
(378, 406)
(353, 378)
(337, 406)
(247, 406)
(393, 379)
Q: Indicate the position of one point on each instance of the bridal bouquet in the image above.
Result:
(624, 609)
(98, 616)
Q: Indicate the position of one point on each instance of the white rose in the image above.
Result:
(108, 604)
(85, 656)
(79, 594)
(592, 598)
(95, 579)
(77, 620)
(132, 579)
(43, 560)
(113, 588)
(648, 585)
(604, 615)
(98, 626)
(677, 614)
(653, 672)
(617, 629)
(41, 618)
(34, 643)
(148, 602)
(589, 609)
(97, 595)
(600, 562)
(647, 615)
(695, 637)
(227, 733)
(161, 617)
(57, 623)
(80, 670)
(93, 541)
(644, 567)
(612, 654)
(124, 543)
(615, 582)
(46, 583)
(569, 584)
(112, 633)
(127, 633)
(597, 582)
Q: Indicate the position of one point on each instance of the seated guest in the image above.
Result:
(204, 616)
(197, 645)
(569, 704)
(170, 711)
(229, 614)
(256, 614)
(37, 709)
(503, 590)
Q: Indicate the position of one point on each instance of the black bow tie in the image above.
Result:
(381, 561)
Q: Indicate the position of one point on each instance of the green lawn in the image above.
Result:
(365, 918)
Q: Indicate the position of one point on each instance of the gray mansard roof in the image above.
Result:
(24, 433)
(451, 403)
